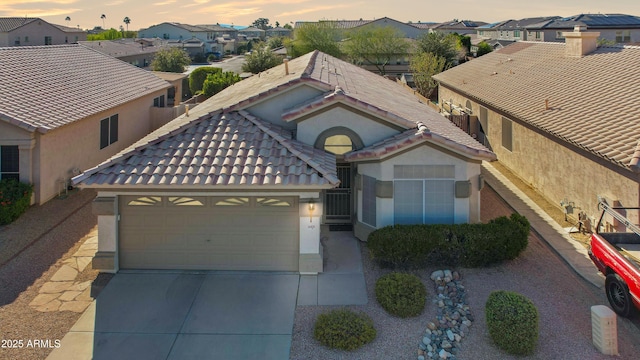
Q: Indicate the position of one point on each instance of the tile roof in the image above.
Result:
(464, 24)
(358, 87)
(412, 137)
(68, 29)
(591, 99)
(520, 24)
(591, 21)
(120, 48)
(232, 150)
(45, 87)
(339, 24)
(424, 25)
(11, 23)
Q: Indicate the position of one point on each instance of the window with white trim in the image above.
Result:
(9, 162)
(623, 36)
(369, 200)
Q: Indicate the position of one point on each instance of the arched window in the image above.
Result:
(339, 140)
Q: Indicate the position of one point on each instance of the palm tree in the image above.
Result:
(68, 20)
(127, 21)
(103, 16)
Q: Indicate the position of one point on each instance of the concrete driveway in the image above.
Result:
(221, 315)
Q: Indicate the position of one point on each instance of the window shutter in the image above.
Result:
(104, 133)
(113, 131)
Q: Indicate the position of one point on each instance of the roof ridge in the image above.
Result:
(311, 65)
(634, 164)
(287, 143)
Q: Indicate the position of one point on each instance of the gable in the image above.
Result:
(272, 107)
(369, 128)
(408, 30)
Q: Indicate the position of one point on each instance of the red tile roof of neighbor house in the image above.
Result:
(592, 101)
(45, 87)
(358, 88)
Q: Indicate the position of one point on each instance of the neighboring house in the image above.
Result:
(562, 117)
(66, 108)
(512, 30)
(408, 30)
(618, 28)
(461, 27)
(252, 33)
(139, 53)
(209, 35)
(246, 180)
(16, 31)
(278, 32)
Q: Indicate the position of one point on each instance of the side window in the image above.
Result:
(507, 134)
(108, 131)
(9, 162)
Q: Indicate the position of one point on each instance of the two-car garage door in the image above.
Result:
(209, 233)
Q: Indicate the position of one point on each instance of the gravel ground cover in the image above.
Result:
(563, 300)
(22, 277)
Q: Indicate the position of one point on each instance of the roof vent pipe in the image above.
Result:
(286, 66)
(546, 104)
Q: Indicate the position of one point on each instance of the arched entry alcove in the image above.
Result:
(339, 201)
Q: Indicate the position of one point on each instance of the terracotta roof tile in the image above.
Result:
(234, 150)
(591, 99)
(45, 87)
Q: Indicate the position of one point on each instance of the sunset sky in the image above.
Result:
(144, 13)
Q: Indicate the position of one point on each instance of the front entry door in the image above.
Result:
(338, 200)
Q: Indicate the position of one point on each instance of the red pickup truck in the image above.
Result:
(616, 253)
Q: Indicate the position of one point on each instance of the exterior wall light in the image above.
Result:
(312, 207)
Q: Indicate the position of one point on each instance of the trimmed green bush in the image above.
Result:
(344, 329)
(199, 75)
(15, 198)
(402, 295)
(512, 320)
(468, 245)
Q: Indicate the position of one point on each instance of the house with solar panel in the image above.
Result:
(249, 178)
(562, 116)
(67, 107)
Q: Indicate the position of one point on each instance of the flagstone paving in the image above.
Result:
(62, 292)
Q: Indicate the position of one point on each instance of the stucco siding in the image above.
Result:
(174, 32)
(555, 170)
(271, 109)
(36, 32)
(369, 131)
(77, 146)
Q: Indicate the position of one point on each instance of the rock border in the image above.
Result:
(442, 337)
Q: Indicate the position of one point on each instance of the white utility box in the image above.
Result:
(604, 329)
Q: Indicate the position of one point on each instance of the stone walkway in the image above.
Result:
(62, 292)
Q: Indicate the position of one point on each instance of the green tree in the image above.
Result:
(376, 46)
(483, 48)
(111, 34)
(288, 26)
(424, 65)
(275, 42)
(218, 81)
(277, 24)
(127, 21)
(171, 59)
(261, 23)
(323, 36)
(440, 44)
(464, 43)
(68, 20)
(261, 59)
(198, 77)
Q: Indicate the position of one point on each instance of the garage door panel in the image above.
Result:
(238, 237)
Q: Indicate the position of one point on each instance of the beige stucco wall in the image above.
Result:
(370, 131)
(555, 170)
(25, 140)
(77, 145)
(271, 109)
(466, 209)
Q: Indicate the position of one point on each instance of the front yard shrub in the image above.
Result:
(199, 75)
(344, 329)
(512, 320)
(402, 295)
(469, 245)
(15, 198)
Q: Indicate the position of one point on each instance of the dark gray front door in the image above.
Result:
(338, 200)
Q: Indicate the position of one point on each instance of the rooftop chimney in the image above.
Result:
(580, 43)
